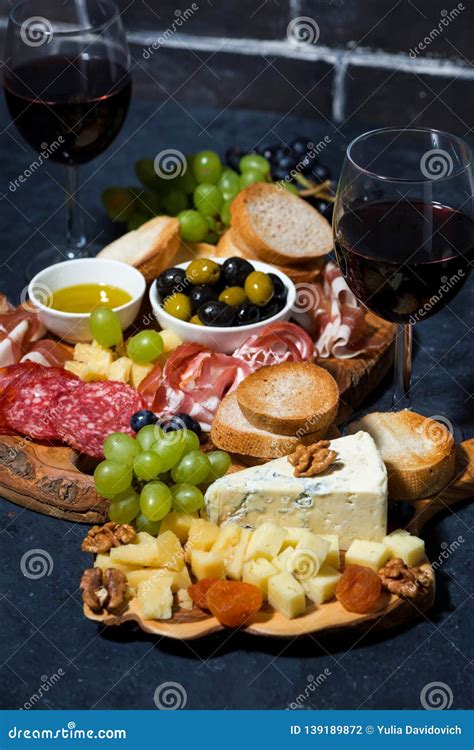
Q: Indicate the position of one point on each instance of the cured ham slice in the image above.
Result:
(48, 353)
(276, 343)
(20, 327)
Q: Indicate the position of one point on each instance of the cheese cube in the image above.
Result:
(371, 554)
(77, 368)
(179, 524)
(120, 370)
(321, 588)
(293, 536)
(184, 600)
(207, 564)
(228, 538)
(143, 537)
(283, 561)
(202, 535)
(266, 541)
(410, 548)
(258, 572)
(170, 550)
(286, 595)
(104, 562)
(235, 564)
(83, 352)
(97, 361)
(171, 340)
(179, 578)
(139, 373)
(332, 557)
(156, 598)
(166, 551)
(311, 552)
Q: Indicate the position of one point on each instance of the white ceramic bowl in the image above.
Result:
(75, 326)
(225, 339)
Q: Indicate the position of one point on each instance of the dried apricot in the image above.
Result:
(358, 589)
(233, 603)
(198, 591)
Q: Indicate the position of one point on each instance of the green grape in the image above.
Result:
(155, 501)
(148, 435)
(145, 171)
(186, 182)
(136, 221)
(186, 498)
(207, 167)
(212, 238)
(250, 178)
(229, 184)
(105, 327)
(145, 347)
(124, 507)
(208, 199)
(147, 465)
(111, 478)
(254, 163)
(170, 452)
(220, 464)
(174, 201)
(121, 448)
(192, 469)
(191, 441)
(288, 186)
(119, 203)
(193, 227)
(225, 213)
(143, 524)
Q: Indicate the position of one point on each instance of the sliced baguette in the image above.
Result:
(278, 226)
(191, 250)
(419, 452)
(294, 398)
(231, 245)
(231, 432)
(151, 248)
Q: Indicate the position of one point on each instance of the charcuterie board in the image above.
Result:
(391, 611)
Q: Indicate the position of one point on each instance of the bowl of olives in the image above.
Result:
(220, 302)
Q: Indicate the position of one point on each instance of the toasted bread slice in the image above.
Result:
(191, 250)
(151, 248)
(231, 245)
(294, 398)
(419, 452)
(278, 226)
(232, 432)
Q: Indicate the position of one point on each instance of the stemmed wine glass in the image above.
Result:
(67, 84)
(404, 229)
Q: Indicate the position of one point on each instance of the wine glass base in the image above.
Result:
(51, 255)
(419, 408)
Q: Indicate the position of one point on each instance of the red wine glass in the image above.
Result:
(404, 229)
(67, 85)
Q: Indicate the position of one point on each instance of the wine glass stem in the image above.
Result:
(403, 352)
(76, 238)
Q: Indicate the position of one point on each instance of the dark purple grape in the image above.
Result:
(142, 418)
(233, 155)
(301, 145)
(320, 172)
(267, 151)
(325, 209)
(308, 163)
(280, 152)
(278, 173)
(181, 421)
(288, 163)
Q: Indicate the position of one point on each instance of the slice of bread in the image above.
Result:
(294, 398)
(419, 452)
(191, 250)
(278, 226)
(231, 245)
(151, 248)
(231, 432)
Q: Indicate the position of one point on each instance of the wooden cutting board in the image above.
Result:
(391, 611)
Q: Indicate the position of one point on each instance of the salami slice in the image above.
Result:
(28, 401)
(8, 376)
(93, 411)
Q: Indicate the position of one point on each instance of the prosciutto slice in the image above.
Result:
(20, 328)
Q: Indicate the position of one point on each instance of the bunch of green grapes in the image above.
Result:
(200, 197)
(148, 476)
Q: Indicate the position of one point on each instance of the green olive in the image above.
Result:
(233, 296)
(203, 271)
(259, 288)
(178, 305)
(196, 320)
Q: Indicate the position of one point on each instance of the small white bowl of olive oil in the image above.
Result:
(66, 293)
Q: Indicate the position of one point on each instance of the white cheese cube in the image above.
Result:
(371, 554)
(321, 588)
(286, 595)
(207, 564)
(179, 578)
(156, 598)
(410, 548)
(311, 552)
(282, 561)
(184, 600)
(235, 564)
(258, 572)
(332, 557)
(266, 541)
(293, 536)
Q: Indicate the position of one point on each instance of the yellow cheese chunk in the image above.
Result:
(410, 548)
(207, 564)
(171, 340)
(310, 553)
(104, 562)
(332, 557)
(170, 551)
(139, 373)
(143, 537)
(166, 551)
(321, 588)
(266, 541)
(282, 561)
(120, 370)
(293, 536)
(235, 564)
(286, 595)
(258, 572)
(179, 578)
(202, 535)
(179, 524)
(156, 598)
(371, 554)
(184, 600)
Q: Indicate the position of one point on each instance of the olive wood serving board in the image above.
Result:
(392, 610)
(54, 480)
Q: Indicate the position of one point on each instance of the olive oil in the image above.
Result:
(83, 298)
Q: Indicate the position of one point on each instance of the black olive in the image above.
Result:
(235, 271)
(170, 281)
(216, 314)
(280, 292)
(247, 314)
(270, 309)
(200, 294)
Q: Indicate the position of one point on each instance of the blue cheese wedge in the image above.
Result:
(349, 499)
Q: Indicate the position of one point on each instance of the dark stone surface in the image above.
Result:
(42, 623)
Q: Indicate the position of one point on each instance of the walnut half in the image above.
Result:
(101, 539)
(313, 459)
(103, 590)
(399, 579)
